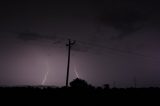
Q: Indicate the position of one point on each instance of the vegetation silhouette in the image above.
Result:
(80, 83)
(79, 92)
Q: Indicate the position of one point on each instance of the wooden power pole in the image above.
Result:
(69, 44)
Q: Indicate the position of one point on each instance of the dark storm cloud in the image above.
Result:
(127, 16)
(31, 36)
(47, 26)
(27, 36)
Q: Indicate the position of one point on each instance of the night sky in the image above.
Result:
(117, 42)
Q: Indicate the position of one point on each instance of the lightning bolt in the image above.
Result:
(46, 74)
(45, 78)
(75, 70)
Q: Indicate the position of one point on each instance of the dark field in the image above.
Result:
(78, 96)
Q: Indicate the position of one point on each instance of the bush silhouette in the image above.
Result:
(79, 83)
(106, 86)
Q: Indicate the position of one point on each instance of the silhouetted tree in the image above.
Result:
(79, 83)
(106, 86)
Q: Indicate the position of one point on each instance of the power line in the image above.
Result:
(85, 46)
(124, 52)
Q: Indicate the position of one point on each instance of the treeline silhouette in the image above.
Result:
(79, 93)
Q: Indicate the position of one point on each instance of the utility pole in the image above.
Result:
(69, 44)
